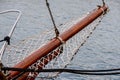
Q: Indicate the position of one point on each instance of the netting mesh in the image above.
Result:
(15, 53)
(70, 48)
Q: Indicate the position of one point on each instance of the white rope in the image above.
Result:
(61, 40)
(12, 30)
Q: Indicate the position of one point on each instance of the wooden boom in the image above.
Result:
(55, 42)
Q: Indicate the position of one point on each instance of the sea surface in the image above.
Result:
(102, 49)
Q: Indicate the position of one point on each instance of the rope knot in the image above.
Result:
(7, 39)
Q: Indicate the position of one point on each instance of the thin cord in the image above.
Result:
(53, 21)
(103, 2)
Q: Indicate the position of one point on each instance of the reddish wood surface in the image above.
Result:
(54, 43)
(40, 66)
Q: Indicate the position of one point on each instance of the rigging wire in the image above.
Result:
(103, 2)
(53, 21)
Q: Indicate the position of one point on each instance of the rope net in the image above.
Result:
(58, 58)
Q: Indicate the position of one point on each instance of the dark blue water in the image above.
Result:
(102, 49)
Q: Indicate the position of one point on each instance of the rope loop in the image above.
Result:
(61, 40)
(103, 10)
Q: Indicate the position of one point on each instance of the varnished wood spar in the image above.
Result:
(54, 43)
(41, 65)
